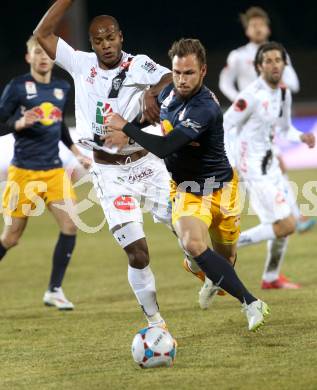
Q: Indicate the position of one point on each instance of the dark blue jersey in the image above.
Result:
(36, 147)
(204, 160)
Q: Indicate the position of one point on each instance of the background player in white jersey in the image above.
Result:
(106, 80)
(258, 111)
(240, 72)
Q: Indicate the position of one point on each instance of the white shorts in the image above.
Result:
(127, 190)
(269, 197)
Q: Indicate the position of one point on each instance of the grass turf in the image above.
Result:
(89, 348)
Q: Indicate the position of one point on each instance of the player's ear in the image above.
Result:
(27, 58)
(121, 36)
(204, 70)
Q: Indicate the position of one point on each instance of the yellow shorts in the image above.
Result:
(26, 190)
(220, 211)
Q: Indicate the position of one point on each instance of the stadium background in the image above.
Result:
(150, 27)
(89, 348)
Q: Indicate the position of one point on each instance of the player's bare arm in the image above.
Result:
(82, 159)
(45, 30)
(151, 111)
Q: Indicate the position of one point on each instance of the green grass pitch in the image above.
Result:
(89, 348)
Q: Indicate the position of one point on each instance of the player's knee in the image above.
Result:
(9, 241)
(285, 228)
(69, 228)
(138, 255)
(193, 246)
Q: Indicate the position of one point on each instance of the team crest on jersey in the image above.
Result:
(30, 87)
(116, 83)
(58, 93)
(240, 105)
(149, 67)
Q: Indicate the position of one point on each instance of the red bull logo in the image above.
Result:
(48, 114)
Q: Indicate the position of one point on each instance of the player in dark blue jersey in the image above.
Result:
(204, 187)
(31, 107)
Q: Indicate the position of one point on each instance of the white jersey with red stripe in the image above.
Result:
(256, 114)
(240, 71)
(93, 87)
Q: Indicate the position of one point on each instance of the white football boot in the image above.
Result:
(255, 312)
(207, 293)
(58, 299)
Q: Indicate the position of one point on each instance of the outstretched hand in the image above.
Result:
(308, 139)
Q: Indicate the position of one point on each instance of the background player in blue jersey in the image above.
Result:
(204, 187)
(31, 107)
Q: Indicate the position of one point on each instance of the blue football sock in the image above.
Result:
(62, 254)
(221, 272)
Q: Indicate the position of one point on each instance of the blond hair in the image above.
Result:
(31, 42)
(254, 12)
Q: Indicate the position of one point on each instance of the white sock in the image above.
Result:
(142, 283)
(275, 255)
(262, 232)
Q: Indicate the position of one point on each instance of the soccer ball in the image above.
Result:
(153, 347)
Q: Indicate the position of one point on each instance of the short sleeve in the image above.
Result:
(67, 57)
(144, 71)
(9, 101)
(240, 110)
(196, 120)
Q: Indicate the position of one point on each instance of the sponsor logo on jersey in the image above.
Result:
(279, 199)
(102, 110)
(29, 97)
(58, 93)
(189, 123)
(30, 88)
(240, 105)
(265, 105)
(93, 72)
(149, 67)
(91, 78)
(48, 114)
(124, 203)
(142, 174)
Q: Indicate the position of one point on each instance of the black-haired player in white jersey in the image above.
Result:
(111, 80)
(258, 111)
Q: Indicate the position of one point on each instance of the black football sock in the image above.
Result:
(62, 254)
(3, 251)
(221, 272)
